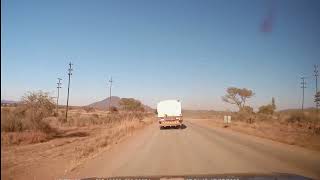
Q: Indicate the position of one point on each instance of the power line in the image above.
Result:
(69, 74)
(110, 81)
(58, 87)
(303, 86)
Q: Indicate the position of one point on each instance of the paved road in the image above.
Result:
(199, 150)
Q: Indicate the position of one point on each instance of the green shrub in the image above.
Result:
(130, 104)
(267, 109)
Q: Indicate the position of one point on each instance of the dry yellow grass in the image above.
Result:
(290, 127)
(17, 138)
(18, 126)
(84, 136)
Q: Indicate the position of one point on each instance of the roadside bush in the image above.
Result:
(30, 114)
(263, 117)
(26, 137)
(55, 114)
(130, 104)
(62, 119)
(113, 109)
(9, 123)
(296, 117)
(95, 116)
(246, 109)
(94, 119)
(303, 117)
(267, 109)
(245, 114)
(104, 118)
(89, 109)
(38, 105)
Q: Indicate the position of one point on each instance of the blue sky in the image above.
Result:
(164, 49)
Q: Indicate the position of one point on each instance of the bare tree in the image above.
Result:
(237, 96)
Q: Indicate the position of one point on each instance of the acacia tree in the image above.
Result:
(237, 96)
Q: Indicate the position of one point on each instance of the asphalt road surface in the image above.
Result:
(198, 150)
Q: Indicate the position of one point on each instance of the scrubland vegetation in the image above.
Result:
(37, 130)
(36, 119)
(289, 126)
(309, 120)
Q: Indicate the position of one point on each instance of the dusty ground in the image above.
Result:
(199, 149)
(202, 147)
(291, 134)
(72, 147)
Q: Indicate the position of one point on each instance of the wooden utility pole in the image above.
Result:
(69, 74)
(316, 75)
(303, 86)
(58, 87)
(110, 81)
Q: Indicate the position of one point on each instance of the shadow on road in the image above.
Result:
(168, 127)
(72, 134)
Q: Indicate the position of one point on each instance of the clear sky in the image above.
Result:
(161, 49)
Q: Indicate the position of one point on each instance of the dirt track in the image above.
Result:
(198, 149)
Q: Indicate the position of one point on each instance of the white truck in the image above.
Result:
(169, 113)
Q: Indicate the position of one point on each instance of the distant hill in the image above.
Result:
(308, 109)
(104, 104)
(8, 102)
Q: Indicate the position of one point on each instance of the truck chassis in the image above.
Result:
(175, 121)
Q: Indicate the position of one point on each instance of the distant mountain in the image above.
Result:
(104, 104)
(308, 109)
(8, 102)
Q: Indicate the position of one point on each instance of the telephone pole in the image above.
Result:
(110, 81)
(69, 74)
(303, 86)
(316, 75)
(58, 87)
